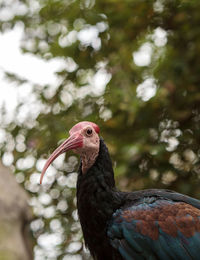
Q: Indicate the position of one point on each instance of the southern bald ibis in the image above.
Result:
(147, 224)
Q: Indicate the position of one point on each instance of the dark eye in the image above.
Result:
(89, 131)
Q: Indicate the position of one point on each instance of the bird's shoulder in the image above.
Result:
(151, 215)
(156, 205)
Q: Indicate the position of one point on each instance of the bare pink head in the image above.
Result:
(84, 140)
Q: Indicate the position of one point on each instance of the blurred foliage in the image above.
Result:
(148, 110)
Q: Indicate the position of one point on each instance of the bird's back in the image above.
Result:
(157, 224)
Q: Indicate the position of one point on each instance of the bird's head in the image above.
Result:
(84, 140)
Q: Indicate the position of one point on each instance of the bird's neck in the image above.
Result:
(98, 182)
(97, 198)
(88, 159)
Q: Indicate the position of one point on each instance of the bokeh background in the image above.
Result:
(132, 67)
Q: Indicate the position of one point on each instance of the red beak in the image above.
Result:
(73, 142)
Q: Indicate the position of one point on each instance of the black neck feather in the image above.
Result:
(97, 199)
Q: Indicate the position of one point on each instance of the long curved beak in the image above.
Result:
(73, 142)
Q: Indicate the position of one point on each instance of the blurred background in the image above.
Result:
(132, 67)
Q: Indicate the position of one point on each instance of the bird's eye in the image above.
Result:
(89, 131)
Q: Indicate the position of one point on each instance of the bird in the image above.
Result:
(147, 224)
